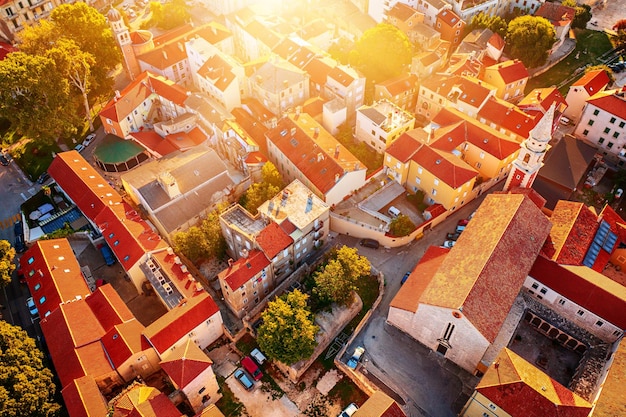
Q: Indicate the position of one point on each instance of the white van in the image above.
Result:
(258, 356)
(393, 212)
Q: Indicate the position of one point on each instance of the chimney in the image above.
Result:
(336, 151)
(165, 55)
(117, 95)
(316, 132)
(336, 177)
(538, 95)
(293, 131)
(320, 157)
(230, 262)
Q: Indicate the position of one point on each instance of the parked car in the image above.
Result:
(32, 308)
(369, 243)
(564, 120)
(249, 365)
(449, 244)
(244, 379)
(258, 356)
(356, 357)
(88, 139)
(43, 177)
(18, 228)
(107, 254)
(19, 245)
(80, 147)
(405, 277)
(453, 236)
(4, 160)
(349, 410)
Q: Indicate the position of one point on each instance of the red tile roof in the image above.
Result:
(472, 91)
(496, 41)
(540, 99)
(400, 84)
(218, 71)
(405, 146)
(82, 398)
(6, 49)
(402, 12)
(186, 140)
(511, 71)
(154, 142)
(304, 151)
(504, 239)
(446, 167)
(556, 12)
(82, 183)
(272, 240)
(448, 17)
(123, 341)
(186, 364)
(522, 390)
(612, 397)
(55, 272)
(612, 102)
(341, 76)
(478, 134)
(244, 269)
(159, 406)
(109, 307)
(318, 69)
(165, 56)
(508, 116)
(140, 90)
(134, 237)
(178, 322)
(585, 287)
(593, 81)
(574, 227)
(69, 328)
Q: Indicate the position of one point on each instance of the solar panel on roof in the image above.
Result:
(609, 243)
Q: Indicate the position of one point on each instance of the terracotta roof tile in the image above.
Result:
(448, 17)
(611, 101)
(484, 271)
(556, 12)
(400, 84)
(178, 322)
(401, 12)
(446, 167)
(585, 287)
(574, 227)
(186, 364)
(508, 116)
(511, 70)
(521, 389)
(593, 81)
(272, 240)
(409, 294)
(612, 397)
(318, 69)
(82, 398)
(123, 341)
(304, 151)
(244, 269)
(405, 146)
(154, 142)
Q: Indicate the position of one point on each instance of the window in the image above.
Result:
(202, 390)
(609, 145)
(42, 300)
(616, 135)
(601, 140)
(599, 323)
(492, 407)
(245, 301)
(617, 333)
(544, 290)
(596, 112)
(126, 258)
(535, 286)
(562, 302)
(37, 286)
(622, 124)
(436, 182)
(590, 122)
(607, 130)
(434, 192)
(448, 332)
(612, 120)
(580, 313)
(31, 260)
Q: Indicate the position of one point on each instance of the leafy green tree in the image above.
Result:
(169, 15)
(259, 192)
(383, 52)
(529, 39)
(494, 23)
(7, 253)
(89, 30)
(202, 242)
(340, 50)
(569, 3)
(582, 17)
(401, 226)
(341, 276)
(288, 332)
(34, 96)
(26, 387)
(619, 39)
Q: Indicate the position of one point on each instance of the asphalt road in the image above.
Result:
(428, 384)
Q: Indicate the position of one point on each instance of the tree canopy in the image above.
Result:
(169, 15)
(202, 242)
(288, 332)
(529, 39)
(383, 52)
(582, 17)
(26, 387)
(619, 39)
(259, 192)
(7, 254)
(483, 21)
(401, 226)
(341, 275)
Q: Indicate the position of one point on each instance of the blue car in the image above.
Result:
(356, 357)
(244, 379)
(107, 254)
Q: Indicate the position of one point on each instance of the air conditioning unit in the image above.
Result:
(177, 260)
(183, 268)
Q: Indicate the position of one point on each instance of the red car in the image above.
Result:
(249, 365)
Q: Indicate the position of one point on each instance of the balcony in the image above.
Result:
(318, 235)
(319, 225)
